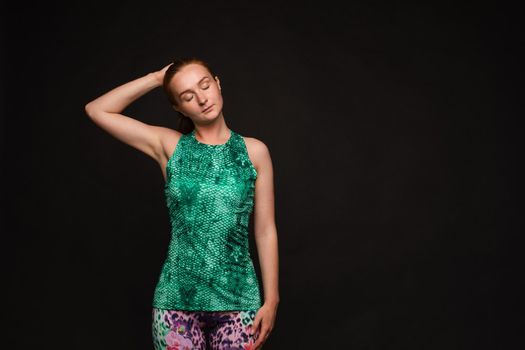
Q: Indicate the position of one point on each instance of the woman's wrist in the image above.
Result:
(155, 76)
(274, 302)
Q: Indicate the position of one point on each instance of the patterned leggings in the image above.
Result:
(200, 330)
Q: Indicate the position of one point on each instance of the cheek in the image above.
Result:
(217, 94)
(187, 107)
(193, 106)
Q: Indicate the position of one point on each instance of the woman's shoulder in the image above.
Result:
(257, 149)
(254, 143)
(168, 140)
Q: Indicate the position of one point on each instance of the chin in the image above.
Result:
(209, 117)
(213, 115)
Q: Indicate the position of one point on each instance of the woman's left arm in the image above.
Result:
(266, 239)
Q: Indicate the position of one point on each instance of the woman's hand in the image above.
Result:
(159, 75)
(265, 318)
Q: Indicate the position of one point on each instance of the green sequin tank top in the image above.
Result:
(209, 193)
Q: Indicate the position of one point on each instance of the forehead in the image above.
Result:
(189, 76)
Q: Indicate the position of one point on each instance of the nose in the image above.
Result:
(202, 99)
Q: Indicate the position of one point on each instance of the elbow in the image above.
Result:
(89, 109)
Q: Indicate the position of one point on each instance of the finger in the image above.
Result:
(260, 342)
(255, 325)
(261, 338)
(257, 344)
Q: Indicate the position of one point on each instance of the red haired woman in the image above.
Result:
(207, 294)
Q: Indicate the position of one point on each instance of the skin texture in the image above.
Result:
(194, 94)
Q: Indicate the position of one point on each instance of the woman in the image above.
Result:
(207, 294)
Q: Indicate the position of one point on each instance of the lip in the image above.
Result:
(207, 109)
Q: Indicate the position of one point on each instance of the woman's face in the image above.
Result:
(197, 92)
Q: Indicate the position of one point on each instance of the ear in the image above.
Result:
(218, 82)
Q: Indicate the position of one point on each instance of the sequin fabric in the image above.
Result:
(209, 194)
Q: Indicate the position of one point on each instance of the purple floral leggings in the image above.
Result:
(201, 330)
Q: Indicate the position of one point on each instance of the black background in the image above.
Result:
(396, 140)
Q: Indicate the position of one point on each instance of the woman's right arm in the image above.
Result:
(105, 111)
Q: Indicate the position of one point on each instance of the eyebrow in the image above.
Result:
(187, 90)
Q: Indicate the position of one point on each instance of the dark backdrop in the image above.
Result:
(395, 140)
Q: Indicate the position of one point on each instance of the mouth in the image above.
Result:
(207, 109)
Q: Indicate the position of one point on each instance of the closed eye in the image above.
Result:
(191, 96)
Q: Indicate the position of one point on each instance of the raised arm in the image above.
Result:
(105, 111)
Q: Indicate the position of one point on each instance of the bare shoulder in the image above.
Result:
(257, 151)
(168, 141)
